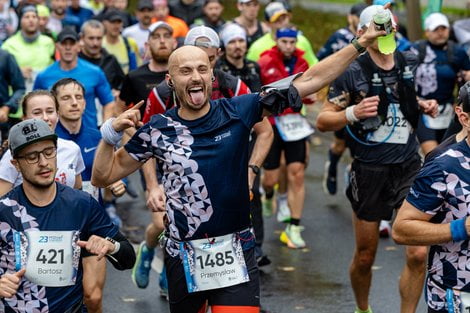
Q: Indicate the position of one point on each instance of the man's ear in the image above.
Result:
(14, 162)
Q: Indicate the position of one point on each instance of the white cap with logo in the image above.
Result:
(435, 20)
(232, 31)
(202, 36)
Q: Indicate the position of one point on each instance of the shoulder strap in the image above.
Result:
(421, 50)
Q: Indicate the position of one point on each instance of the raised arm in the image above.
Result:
(327, 70)
(109, 165)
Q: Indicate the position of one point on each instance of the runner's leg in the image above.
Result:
(412, 278)
(94, 275)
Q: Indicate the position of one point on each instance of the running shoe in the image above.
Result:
(141, 269)
(163, 283)
(292, 238)
(283, 212)
(267, 207)
(385, 229)
(111, 210)
(329, 179)
(357, 310)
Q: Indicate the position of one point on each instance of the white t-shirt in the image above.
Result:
(69, 164)
(140, 36)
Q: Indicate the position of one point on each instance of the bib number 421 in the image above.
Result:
(50, 257)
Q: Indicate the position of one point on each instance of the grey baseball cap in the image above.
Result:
(202, 36)
(27, 132)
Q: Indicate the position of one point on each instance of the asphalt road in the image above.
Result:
(313, 280)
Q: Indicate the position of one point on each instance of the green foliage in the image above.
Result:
(316, 26)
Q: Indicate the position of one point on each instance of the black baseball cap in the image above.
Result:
(357, 9)
(67, 33)
(145, 4)
(113, 15)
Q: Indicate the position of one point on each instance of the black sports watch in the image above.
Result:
(254, 168)
(358, 46)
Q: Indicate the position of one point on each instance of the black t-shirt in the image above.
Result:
(110, 66)
(138, 84)
(353, 86)
(249, 74)
(441, 148)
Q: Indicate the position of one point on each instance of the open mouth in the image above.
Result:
(196, 94)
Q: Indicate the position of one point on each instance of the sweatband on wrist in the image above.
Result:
(109, 135)
(350, 116)
(458, 230)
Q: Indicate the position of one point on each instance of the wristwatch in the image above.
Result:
(117, 245)
(358, 46)
(254, 168)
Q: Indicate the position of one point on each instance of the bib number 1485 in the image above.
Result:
(219, 259)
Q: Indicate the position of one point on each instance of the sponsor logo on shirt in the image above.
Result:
(222, 136)
(88, 150)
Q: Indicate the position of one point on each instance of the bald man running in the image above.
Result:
(201, 148)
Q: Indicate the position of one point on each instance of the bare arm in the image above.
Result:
(109, 110)
(110, 166)
(412, 227)
(5, 186)
(332, 117)
(154, 194)
(120, 106)
(325, 71)
(78, 182)
(264, 139)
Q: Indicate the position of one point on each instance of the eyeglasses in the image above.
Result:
(33, 157)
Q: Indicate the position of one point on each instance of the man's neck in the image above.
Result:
(40, 196)
(238, 63)
(191, 115)
(112, 39)
(158, 67)
(67, 66)
(246, 22)
(96, 56)
(57, 16)
(73, 127)
(383, 61)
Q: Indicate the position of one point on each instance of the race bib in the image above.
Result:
(442, 120)
(395, 129)
(293, 127)
(92, 190)
(213, 263)
(52, 257)
(457, 301)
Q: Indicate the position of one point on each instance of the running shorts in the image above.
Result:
(294, 151)
(375, 190)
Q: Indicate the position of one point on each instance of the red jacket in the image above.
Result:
(272, 65)
(272, 69)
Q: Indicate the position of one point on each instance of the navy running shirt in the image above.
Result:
(442, 189)
(70, 210)
(351, 88)
(204, 165)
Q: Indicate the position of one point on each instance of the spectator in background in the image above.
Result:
(212, 17)
(91, 38)
(180, 28)
(278, 17)
(124, 49)
(10, 79)
(43, 14)
(91, 76)
(187, 10)
(140, 31)
(32, 50)
(138, 83)
(8, 20)
(111, 5)
(343, 36)
(123, 6)
(248, 18)
(58, 18)
(79, 12)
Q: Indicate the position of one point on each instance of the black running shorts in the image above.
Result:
(294, 151)
(375, 191)
(243, 298)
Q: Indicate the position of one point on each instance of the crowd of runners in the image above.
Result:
(211, 115)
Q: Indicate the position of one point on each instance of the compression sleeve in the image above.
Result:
(125, 258)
